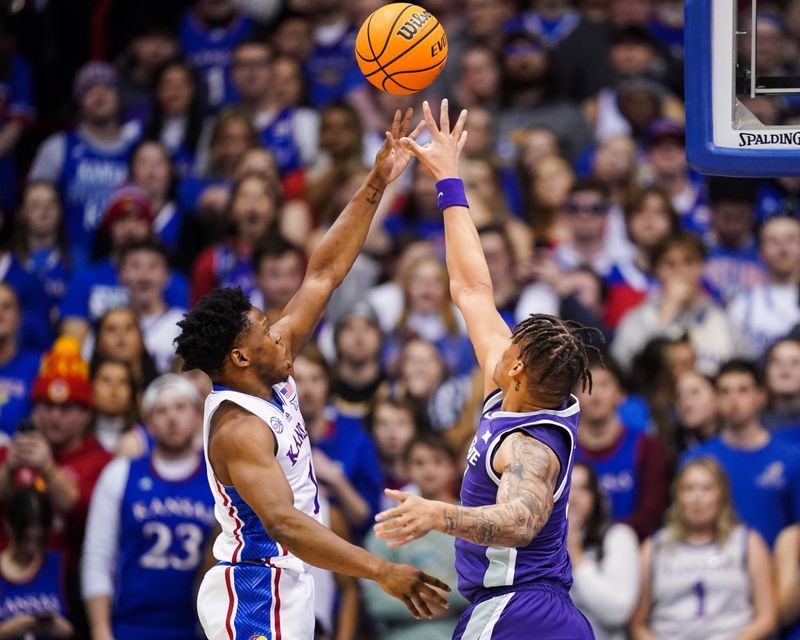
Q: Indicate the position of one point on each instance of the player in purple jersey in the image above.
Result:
(267, 504)
(511, 530)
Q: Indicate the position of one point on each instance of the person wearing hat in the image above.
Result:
(96, 288)
(665, 144)
(531, 99)
(122, 572)
(89, 161)
(55, 452)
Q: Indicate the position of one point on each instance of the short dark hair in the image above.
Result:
(683, 239)
(725, 189)
(499, 229)
(590, 184)
(274, 246)
(602, 287)
(151, 244)
(254, 41)
(790, 339)
(432, 440)
(633, 35)
(401, 404)
(740, 365)
(635, 204)
(28, 508)
(554, 352)
(779, 216)
(312, 353)
(211, 330)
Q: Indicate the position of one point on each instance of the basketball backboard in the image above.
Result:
(726, 86)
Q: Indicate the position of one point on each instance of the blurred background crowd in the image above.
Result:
(151, 151)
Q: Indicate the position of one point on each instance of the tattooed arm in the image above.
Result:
(525, 499)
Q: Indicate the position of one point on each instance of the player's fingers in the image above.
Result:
(462, 140)
(394, 494)
(389, 531)
(434, 582)
(444, 116)
(396, 121)
(393, 544)
(421, 605)
(426, 110)
(406, 121)
(431, 595)
(411, 145)
(394, 512)
(410, 606)
(462, 118)
(417, 130)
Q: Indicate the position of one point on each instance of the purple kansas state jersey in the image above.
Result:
(545, 558)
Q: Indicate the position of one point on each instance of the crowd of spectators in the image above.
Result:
(151, 151)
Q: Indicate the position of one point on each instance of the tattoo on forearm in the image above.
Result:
(373, 196)
(524, 499)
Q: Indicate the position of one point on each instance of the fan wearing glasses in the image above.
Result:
(585, 215)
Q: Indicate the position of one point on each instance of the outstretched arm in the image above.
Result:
(339, 247)
(470, 283)
(241, 450)
(524, 501)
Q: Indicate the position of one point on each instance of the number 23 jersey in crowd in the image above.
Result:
(164, 525)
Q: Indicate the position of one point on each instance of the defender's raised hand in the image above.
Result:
(393, 157)
(440, 155)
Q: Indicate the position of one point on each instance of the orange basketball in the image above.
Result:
(401, 48)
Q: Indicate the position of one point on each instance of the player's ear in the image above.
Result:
(239, 358)
(517, 369)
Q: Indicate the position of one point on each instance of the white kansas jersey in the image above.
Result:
(243, 537)
(700, 592)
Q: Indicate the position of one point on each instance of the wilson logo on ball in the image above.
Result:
(401, 48)
(410, 28)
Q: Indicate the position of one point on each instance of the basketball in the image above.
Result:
(401, 48)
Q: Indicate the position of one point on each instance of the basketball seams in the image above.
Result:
(400, 55)
(369, 43)
(400, 73)
(391, 76)
(391, 30)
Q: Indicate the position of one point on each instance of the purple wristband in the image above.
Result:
(451, 193)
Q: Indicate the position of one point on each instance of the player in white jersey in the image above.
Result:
(705, 576)
(256, 445)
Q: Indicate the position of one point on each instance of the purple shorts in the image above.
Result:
(541, 610)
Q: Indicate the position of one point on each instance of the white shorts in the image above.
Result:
(256, 602)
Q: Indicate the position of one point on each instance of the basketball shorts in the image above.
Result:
(254, 601)
(539, 610)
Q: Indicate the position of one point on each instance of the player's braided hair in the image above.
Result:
(554, 352)
(210, 330)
